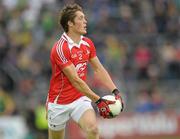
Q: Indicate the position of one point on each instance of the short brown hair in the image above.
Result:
(68, 14)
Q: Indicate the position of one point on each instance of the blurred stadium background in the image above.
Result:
(136, 40)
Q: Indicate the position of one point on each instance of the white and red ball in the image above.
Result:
(116, 107)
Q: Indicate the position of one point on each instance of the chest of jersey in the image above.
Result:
(79, 57)
(80, 54)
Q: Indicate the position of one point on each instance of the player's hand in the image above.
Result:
(117, 94)
(103, 107)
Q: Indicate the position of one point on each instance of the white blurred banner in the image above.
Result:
(134, 125)
(12, 128)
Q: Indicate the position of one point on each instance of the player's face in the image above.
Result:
(80, 23)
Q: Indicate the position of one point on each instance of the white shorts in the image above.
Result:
(58, 114)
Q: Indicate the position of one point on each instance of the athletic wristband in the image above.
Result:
(115, 91)
(98, 101)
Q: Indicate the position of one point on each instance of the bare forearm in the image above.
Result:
(103, 76)
(78, 83)
(81, 86)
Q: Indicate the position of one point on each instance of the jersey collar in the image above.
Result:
(70, 41)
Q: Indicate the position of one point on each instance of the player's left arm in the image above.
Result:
(101, 73)
(103, 76)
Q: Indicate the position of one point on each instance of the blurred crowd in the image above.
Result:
(136, 40)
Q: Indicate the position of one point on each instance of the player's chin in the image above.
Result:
(83, 32)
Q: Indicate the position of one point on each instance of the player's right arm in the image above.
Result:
(78, 83)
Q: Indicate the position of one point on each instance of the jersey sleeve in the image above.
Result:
(62, 55)
(92, 49)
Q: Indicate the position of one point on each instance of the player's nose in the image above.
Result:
(85, 21)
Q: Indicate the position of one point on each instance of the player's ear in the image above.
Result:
(70, 23)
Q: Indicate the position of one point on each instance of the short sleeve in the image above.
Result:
(92, 49)
(62, 55)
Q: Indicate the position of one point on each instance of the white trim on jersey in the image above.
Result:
(85, 43)
(72, 43)
(60, 51)
(62, 85)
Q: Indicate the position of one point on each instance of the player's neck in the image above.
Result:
(74, 36)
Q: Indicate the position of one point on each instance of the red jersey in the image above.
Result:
(64, 53)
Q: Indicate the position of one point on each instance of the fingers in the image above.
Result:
(120, 98)
(103, 106)
(122, 107)
(105, 112)
(110, 102)
(105, 115)
(117, 97)
(108, 115)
